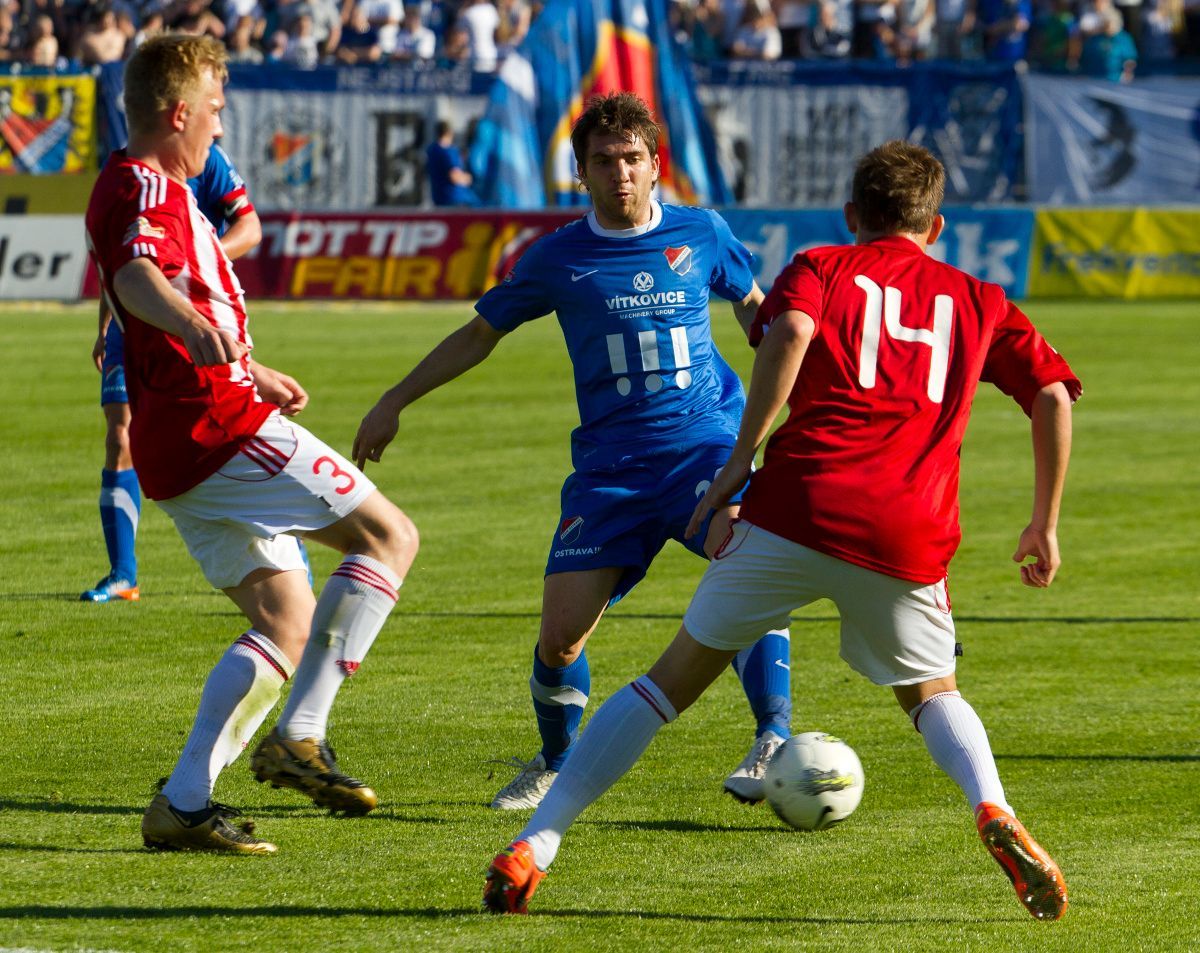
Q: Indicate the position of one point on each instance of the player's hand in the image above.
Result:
(1042, 545)
(376, 431)
(208, 346)
(98, 354)
(731, 478)
(280, 389)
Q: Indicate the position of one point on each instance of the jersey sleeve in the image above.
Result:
(733, 271)
(1020, 362)
(152, 233)
(798, 288)
(522, 295)
(229, 187)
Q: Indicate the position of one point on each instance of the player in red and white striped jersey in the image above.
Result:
(214, 446)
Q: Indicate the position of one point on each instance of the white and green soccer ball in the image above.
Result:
(813, 781)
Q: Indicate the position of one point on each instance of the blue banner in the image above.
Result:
(1094, 142)
(991, 244)
(577, 49)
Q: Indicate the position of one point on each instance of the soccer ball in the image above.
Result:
(813, 781)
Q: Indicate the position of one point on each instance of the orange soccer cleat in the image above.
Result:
(1036, 877)
(511, 880)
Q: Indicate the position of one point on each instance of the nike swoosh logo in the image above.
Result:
(575, 277)
(783, 664)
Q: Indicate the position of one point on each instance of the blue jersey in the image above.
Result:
(633, 307)
(220, 191)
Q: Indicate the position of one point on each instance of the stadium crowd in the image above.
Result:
(1102, 38)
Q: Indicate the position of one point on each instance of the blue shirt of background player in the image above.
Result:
(214, 185)
(634, 309)
(439, 160)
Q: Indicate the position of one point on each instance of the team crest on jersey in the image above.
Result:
(679, 259)
(141, 228)
(643, 281)
(570, 528)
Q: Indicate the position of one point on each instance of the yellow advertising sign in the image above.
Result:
(47, 124)
(1117, 253)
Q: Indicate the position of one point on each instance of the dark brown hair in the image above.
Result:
(620, 114)
(166, 69)
(898, 187)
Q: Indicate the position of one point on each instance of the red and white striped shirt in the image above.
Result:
(187, 420)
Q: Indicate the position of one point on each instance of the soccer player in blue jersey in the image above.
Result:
(221, 195)
(659, 411)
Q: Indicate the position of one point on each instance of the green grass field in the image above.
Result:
(1089, 689)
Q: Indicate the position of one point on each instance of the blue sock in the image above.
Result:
(767, 681)
(120, 508)
(559, 696)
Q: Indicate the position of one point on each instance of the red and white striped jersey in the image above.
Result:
(187, 420)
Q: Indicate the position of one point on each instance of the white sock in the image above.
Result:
(615, 738)
(239, 692)
(352, 609)
(959, 745)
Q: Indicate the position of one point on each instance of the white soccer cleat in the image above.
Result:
(746, 781)
(528, 788)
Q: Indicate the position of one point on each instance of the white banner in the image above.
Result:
(41, 256)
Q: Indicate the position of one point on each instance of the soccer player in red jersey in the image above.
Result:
(213, 447)
(877, 349)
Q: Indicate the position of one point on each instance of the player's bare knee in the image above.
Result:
(558, 648)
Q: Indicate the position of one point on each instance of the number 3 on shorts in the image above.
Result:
(334, 472)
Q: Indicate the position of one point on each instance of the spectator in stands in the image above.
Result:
(480, 18)
(1004, 26)
(1191, 28)
(914, 30)
(873, 29)
(43, 44)
(513, 25)
(793, 17)
(360, 40)
(954, 27)
(1092, 17)
(456, 47)
(1131, 18)
(236, 10)
(830, 36)
(276, 48)
(302, 51)
(1160, 31)
(385, 16)
(102, 40)
(1054, 39)
(449, 180)
(415, 42)
(7, 35)
(151, 23)
(757, 37)
(241, 42)
(1110, 55)
(195, 17)
(325, 24)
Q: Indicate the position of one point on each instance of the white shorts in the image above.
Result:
(894, 632)
(283, 481)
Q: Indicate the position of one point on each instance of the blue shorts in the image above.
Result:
(112, 368)
(624, 514)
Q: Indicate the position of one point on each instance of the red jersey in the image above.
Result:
(187, 420)
(866, 466)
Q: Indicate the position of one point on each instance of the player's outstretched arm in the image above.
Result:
(278, 388)
(455, 355)
(775, 368)
(98, 347)
(146, 293)
(747, 308)
(1051, 427)
(243, 234)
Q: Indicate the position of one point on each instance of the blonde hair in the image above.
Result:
(166, 69)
